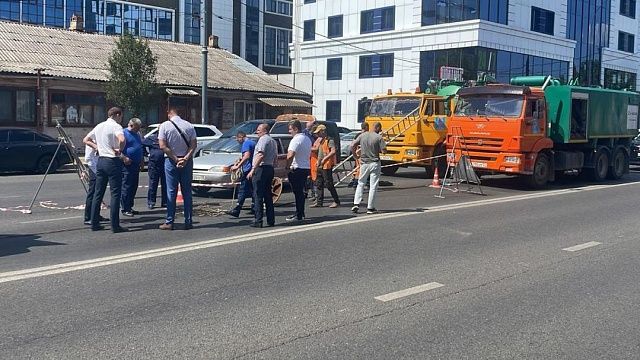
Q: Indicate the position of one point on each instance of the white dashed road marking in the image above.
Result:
(582, 246)
(410, 291)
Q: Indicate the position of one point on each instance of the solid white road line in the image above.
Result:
(410, 291)
(118, 259)
(48, 220)
(582, 246)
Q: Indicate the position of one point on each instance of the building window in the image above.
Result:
(17, 107)
(334, 69)
(503, 65)
(276, 46)
(54, 10)
(628, 8)
(309, 30)
(375, 66)
(252, 49)
(449, 11)
(625, 41)
(382, 19)
(9, 10)
(192, 21)
(74, 109)
(542, 20)
(619, 80)
(309, 1)
(280, 7)
(334, 109)
(335, 26)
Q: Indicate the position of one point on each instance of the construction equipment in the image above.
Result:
(414, 126)
(539, 129)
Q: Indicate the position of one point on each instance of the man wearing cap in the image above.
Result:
(326, 148)
(265, 156)
(299, 165)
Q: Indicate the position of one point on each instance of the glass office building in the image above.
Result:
(99, 16)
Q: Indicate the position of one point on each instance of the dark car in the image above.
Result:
(27, 150)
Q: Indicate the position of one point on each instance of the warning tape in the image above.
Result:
(415, 161)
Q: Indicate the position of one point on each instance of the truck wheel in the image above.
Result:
(600, 166)
(541, 172)
(618, 165)
(389, 170)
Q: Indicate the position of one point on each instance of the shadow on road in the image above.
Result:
(14, 244)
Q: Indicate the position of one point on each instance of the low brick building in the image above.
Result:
(54, 75)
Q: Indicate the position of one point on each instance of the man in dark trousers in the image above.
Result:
(264, 159)
(326, 162)
(110, 142)
(177, 139)
(155, 171)
(133, 153)
(299, 165)
(245, 163)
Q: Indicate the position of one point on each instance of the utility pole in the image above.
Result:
(205, 52)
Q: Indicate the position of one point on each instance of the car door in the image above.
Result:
(4, 150)
(22, 154)
(281, 170)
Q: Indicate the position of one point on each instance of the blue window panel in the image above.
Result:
(334, 69)
(334, 110)
(376, 66)
(375, 20)
(9, 10)
(309, 30)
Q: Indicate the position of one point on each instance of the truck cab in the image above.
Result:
(414, 124)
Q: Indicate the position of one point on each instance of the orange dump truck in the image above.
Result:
(537, 128)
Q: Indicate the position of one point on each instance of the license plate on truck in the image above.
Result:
(478, 164)
(386, 157)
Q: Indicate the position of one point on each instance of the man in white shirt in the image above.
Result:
(299, 165)
(177, 138)
(109, 141)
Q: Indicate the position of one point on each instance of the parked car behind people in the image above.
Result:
(27, 150)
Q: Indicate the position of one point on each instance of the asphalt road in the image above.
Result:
(514, 274)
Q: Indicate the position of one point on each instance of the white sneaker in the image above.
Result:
(355, 209)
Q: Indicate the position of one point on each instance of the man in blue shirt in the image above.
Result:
(133, 154)
(155, 171)
(245, 163)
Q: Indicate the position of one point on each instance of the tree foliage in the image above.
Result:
(132, 68)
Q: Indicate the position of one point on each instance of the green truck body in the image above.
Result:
(580, 114)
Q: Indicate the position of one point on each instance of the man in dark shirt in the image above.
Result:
(245, 163)
(155, 171)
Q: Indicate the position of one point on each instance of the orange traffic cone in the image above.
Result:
(436, 179)
(179, 198)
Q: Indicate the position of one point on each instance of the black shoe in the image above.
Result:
(271, 225)
(372, 211)
(127, 213)
(103, 219)
(188, 226)
(97, 228)
(355, 209)
(234, 213)
(256, 225)
(119, 229)
(135, 212)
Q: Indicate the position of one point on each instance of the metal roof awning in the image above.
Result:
(281, 102)
(182, 92)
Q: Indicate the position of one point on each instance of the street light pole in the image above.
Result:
(205, 52)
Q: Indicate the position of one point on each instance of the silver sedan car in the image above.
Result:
(213, 168)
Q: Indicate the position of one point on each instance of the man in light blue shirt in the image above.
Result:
(177, 139)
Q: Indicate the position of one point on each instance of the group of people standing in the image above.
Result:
(311, 154)
(114, 157)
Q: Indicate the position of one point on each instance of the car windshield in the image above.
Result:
(224, 145)
(489, 105)
(394, 106)
(248, 127)
(350, 136)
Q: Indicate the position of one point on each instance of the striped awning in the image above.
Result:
(282, 102)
